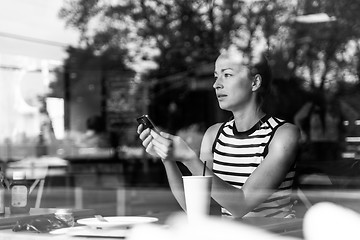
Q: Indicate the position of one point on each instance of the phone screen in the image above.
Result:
(145, 120)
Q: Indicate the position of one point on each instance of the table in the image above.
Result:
(288, 227)
(8, 220)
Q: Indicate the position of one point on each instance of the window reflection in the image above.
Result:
(71, 121)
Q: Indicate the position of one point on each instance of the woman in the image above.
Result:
(250, 157)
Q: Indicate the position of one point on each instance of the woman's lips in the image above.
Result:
(221, 96)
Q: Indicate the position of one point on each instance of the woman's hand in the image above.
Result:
(165, 145)
(146, 138)
(172, 147)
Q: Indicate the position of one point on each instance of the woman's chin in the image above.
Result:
(224, 107)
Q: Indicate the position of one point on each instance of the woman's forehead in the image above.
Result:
(229, 61)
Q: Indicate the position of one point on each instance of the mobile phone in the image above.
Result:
(146, 121)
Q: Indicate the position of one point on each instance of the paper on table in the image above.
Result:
(117, 221)
(85, 231)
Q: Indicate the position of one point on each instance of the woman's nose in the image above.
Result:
(217, 84)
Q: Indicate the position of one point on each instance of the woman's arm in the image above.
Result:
(174, 177)
(171, 149)
(272, 171)
(259, 186)
(183, 152)
(160, 147)
(262, 182)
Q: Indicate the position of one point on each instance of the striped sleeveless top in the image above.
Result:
(237, 154)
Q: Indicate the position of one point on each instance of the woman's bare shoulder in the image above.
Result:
(289, 128)
(213, 130)
(287, 133)
(207, 143)
(210, 134)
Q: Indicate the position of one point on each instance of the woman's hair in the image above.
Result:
(259, 65)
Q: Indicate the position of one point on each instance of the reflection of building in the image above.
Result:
(112, 94)
(82, 97)
(32, 44)
(22, 81)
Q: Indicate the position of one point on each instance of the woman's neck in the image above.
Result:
(246, 119)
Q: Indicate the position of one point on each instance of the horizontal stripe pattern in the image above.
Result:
(236, 156)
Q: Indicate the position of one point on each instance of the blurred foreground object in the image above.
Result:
(330, 221)
(210, 228)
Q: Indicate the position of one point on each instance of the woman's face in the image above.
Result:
(233, 86)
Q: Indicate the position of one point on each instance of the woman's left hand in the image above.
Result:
(170, 147)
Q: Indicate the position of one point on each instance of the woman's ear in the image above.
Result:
(256, 82)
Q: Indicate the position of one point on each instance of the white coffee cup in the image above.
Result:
(197, 196)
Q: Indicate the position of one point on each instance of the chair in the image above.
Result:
(41, 181)
(36, 169)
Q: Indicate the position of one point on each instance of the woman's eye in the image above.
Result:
(227, 75)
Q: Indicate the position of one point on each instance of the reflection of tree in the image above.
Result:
(325, 53)
(82, 61)
(160, 38)
(118, 101)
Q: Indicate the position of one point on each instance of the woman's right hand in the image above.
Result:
(165, 145)
(146, 138)
(157, 144)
